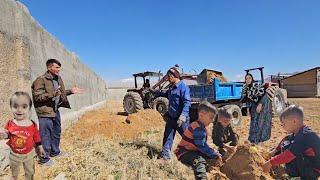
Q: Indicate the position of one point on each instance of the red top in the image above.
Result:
(22, 139)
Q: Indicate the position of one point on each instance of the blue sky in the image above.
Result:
(116, 38)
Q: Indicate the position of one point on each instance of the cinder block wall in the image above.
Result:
(24, 48)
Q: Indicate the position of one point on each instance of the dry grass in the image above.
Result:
(100, 158)
(102, 145)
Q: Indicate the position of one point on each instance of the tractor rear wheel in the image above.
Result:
(277, 100)
(132, 102)
(161, 104)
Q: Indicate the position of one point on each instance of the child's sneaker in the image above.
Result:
(61, 154)
(47, 164)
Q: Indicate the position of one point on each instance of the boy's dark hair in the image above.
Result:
(22, 93)
(293, 110)
(51, 61)
(222, 112)
(207, 107)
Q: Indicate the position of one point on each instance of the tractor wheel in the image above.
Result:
(277, 99)
(132, 102)
(161, 104)
(236, 113)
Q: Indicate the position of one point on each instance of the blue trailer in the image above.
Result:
(216, 92)
(219, 94)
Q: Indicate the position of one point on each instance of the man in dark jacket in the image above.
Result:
(49, 94)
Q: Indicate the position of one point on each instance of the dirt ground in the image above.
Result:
(107, 144)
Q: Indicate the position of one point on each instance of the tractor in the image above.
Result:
(149, 96)
(277, 95)
(140, 98)
(210, 85)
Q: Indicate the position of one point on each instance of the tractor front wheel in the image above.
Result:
(132, 102)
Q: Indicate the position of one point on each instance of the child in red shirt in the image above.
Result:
(23, 136)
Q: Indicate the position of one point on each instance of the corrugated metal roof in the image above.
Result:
(301, 73)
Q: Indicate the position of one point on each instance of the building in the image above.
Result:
(303, 84)
(279, 76)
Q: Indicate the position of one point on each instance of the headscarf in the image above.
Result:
(253, 92)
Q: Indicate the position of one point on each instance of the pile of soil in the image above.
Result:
(215, 174)
(114, 125)
(245, 164)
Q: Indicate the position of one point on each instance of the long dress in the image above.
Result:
(260, 125)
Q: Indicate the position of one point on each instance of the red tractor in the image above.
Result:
(147, 96)
(140, 98)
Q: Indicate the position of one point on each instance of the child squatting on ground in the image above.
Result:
(300, 150)
(223, 133)
(193, 149)
(23, 135)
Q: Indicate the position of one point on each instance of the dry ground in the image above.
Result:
(107, 144)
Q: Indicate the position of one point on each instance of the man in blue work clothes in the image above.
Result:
(178, 111)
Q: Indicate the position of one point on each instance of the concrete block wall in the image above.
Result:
(24, 48)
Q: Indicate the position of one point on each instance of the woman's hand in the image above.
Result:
(248, 112)
(259, 108)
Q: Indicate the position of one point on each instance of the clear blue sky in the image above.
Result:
(116, 38)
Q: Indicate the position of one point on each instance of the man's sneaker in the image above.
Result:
(47, 164)
(61, 154)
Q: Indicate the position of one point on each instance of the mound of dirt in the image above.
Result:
(116, 125)
(245, 164)
(215, 174)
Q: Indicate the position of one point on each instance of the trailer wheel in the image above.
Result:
(161, 104)
(236, 114)
(132, 102)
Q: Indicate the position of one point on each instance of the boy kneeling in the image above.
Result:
(193, 149)
(223, 133)
(299, 151)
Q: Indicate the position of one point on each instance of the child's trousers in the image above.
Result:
(27, 160)
(197, 162)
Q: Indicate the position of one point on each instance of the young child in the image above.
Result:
(299, 151)
(193, 149)
(23, 136)
(223, 133)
